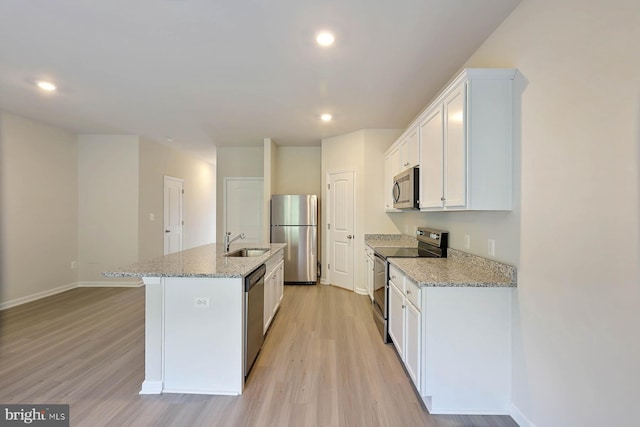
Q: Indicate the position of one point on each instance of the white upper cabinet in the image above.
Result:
(391, 169)
(466, 142)
(432, 159)
(409, 149)
(403, 154)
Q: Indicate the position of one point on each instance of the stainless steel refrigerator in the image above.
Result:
(294, 221)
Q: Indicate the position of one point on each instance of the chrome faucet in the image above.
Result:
(228, 240)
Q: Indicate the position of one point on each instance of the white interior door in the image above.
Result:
(341, 229)
(173, 211)
(244, 207)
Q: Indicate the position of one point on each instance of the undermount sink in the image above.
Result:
(247, 252)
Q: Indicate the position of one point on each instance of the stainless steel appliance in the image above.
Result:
(294, 221)
(253, 311)
(405, 190)
(431, 243)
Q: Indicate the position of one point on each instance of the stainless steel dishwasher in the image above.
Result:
(254, 316)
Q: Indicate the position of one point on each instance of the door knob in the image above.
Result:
(349, 236)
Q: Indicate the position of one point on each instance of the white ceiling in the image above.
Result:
(230, 72)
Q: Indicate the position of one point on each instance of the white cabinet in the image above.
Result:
(466, 350)
(405, 322)
(391, 169)
(368, 269)
(432, 161)
(454, 342)
(396, 318)
(466, 142)
(273, 288)
(402, 155)
(409, 149)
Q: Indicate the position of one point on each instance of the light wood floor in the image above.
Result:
(323, 364)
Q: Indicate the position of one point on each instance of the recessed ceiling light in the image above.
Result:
(44, 85)
(325, 39)
(326, 117)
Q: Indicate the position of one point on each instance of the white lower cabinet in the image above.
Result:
(368, 271)
(405, 322)
(455, 344)
(273, 289)
(412, 317)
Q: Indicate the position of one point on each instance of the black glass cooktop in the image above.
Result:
(393, 252)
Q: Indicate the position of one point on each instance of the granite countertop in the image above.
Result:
(202, 261)
(459, 269)
(390, 240)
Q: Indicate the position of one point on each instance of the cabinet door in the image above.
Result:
(431, 160)
(391, 169)
(409, 150)
(396, 318)
(412, 343)
(455, 170)
(268, 302)
(280, 283)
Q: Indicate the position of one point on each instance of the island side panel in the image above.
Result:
(203, 335)
(152, 336)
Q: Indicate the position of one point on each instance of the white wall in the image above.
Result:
(235, 162)
(39, 209)
(298, 170)
(576, 342)
(108, 205)
(376, 143)
(156, 161)
(576, 354)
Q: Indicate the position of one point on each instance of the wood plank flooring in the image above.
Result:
(323, 364)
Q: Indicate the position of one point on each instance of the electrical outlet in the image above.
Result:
(201, 302)
(467, 241)
(74, 265)
(492, 247)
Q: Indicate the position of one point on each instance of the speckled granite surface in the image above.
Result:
(203, 261)
(390, 240)
(460, 269)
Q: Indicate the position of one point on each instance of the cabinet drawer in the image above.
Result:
(273, 262)
(368, 251)
(412, 291)
(396, 276)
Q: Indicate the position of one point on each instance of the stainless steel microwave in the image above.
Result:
(406, 189)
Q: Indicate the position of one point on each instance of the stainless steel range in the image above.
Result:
(431, 243)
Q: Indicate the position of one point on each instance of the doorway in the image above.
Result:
(173, 214)
(341, 230)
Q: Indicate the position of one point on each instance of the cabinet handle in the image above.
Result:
(408, 292)
(404, 306)
(442, 198)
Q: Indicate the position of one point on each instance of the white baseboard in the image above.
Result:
(519, 417)
(151, 387)
(37, 296)
(105, 284)
(64, 288)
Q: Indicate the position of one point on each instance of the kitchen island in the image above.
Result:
(194, 318)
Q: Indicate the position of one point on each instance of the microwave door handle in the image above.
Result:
(396, 192)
